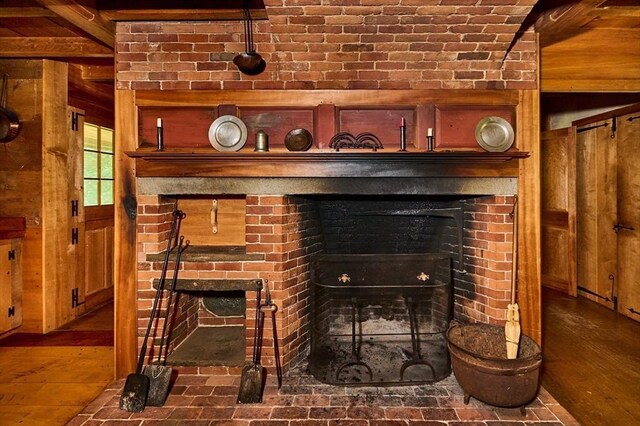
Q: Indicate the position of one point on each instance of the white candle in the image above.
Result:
(429, 131)
(159, 123)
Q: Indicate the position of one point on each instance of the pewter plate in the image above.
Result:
(228, 133)
(494, 134)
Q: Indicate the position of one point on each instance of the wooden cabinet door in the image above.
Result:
(558, 164)
(628, 278)
(596, 211)
(6, 280)
(10, 285)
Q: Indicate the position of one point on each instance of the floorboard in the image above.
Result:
(591, 360)
(48, 379)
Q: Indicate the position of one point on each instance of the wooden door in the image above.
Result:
(75, 176)
(628, 278)
(596, 209)
(558, 164)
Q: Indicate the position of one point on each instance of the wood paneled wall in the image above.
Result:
(598, 60)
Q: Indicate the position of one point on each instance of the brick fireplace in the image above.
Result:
(284, 233)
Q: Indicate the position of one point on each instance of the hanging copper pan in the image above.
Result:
(9, 123)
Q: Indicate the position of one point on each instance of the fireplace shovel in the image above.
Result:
(136, 388)
(159, 374)
(252, 379)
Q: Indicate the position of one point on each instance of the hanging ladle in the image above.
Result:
(249, 62)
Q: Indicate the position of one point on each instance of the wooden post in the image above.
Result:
(529, 184)
(125, 270)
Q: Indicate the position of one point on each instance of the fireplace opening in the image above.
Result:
(219, 337)
(284, 238)
(380, 319)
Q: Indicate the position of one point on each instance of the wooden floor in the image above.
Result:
(591, 360)
(47, 380)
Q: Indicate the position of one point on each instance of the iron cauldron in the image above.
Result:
(479, 361)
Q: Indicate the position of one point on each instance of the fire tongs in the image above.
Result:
(273, 308)
(416, 355)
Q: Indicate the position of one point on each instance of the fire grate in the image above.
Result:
(380, 319)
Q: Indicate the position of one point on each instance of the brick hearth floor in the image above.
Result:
(207, 396)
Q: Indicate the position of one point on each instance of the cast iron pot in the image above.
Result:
(9, 123)
(480, 364)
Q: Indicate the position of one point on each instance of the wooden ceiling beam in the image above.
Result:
(84, 17)
(564, 21)
(26, 12)
(179, 14)
(52, 47)
(97, 72)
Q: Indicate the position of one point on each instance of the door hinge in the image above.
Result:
(12, 255)
(74, 208)
(75, 298)
(74, 121)
(11, 311)
(74, 236)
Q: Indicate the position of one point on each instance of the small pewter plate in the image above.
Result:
(494, 134)
(228, 133)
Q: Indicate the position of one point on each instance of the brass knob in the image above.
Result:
(423, 276)
(344, 278)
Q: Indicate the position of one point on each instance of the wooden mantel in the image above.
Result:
(205, 162)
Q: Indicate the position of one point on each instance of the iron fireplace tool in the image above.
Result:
(355, 353)
(416, 353)
(252, 378)
(136, 388)
(159, 374)
(270, 306)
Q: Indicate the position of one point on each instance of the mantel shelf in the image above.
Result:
(348, 163)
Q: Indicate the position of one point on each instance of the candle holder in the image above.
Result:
(403, 136)
(159, 135)
(429, 143)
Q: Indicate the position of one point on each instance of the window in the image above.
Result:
(98, 165)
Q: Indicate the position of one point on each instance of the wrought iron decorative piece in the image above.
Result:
(363, 140)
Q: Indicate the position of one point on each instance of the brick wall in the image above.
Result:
(483, 292)
(339, 44)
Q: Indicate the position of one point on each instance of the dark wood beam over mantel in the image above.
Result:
(565, 21)
(84, 17)
(52, 47)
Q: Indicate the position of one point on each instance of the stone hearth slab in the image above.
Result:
(207, 396)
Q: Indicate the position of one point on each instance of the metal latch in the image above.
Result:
(74, 208)
(12, 255)
(617, 227)
(11, 311)
(74, 236)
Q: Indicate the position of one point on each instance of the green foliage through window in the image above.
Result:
(98, 165)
